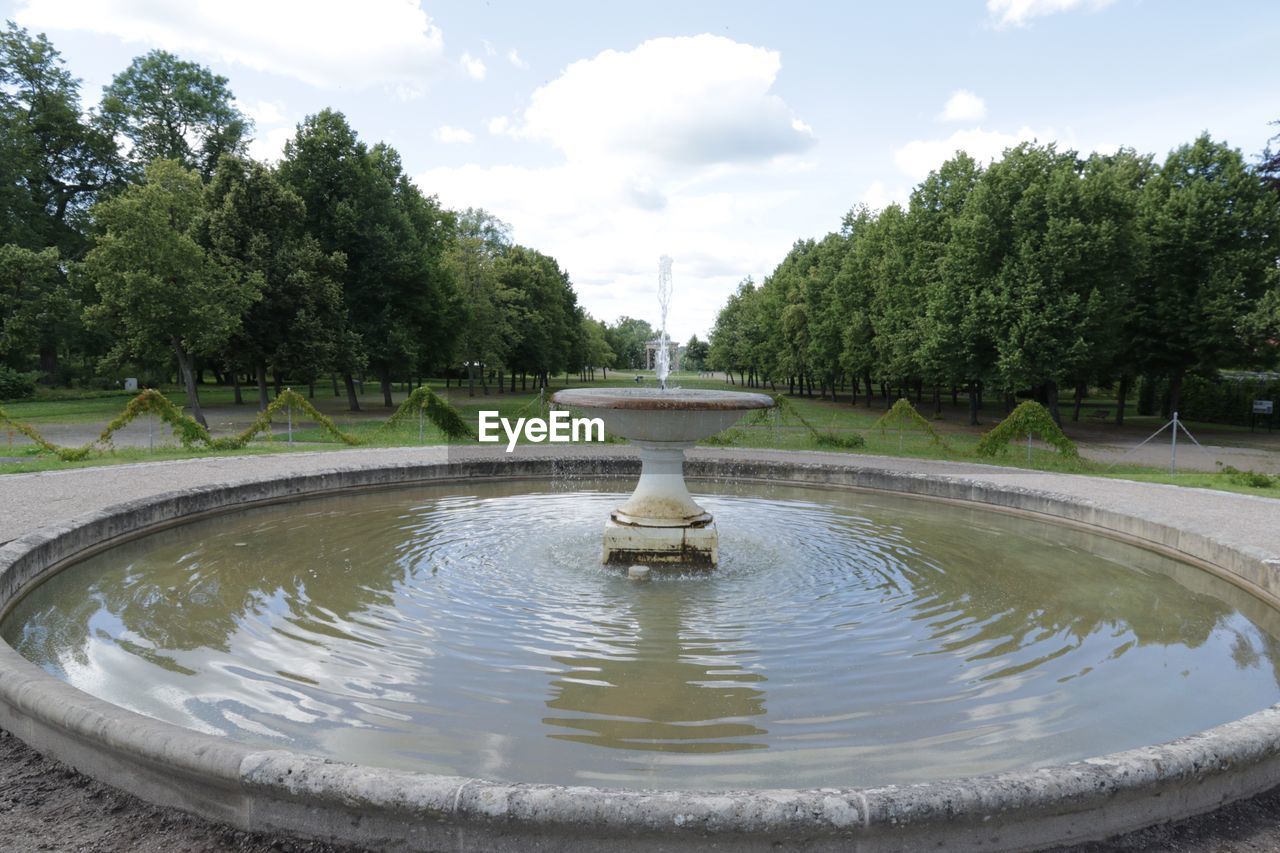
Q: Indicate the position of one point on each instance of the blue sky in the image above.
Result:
(716, 132)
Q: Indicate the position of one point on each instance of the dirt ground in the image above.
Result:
(46, 806)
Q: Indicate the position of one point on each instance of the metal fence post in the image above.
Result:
(1173, 454)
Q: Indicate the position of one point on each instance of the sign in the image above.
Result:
(131, 384)
(1262, 407)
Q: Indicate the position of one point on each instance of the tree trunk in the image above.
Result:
(189, 380)
(263, 400)
(501, 387)
(334, 378)
(277, 380)
(471, 379)
(955, 396)
(973, 404)
(1122, 393)
(937, 401)
(1051, 401)
(484, 381)
(871, 390)
(235, 386)
(353, 402)
(1082, 389)
(384, 380)
(48, 364)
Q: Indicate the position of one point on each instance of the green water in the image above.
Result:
(846, 639)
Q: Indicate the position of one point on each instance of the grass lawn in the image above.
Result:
(774, 430)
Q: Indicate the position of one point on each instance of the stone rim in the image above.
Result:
(308, 795)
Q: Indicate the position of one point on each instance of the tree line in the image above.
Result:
(140, 236)
(1042, 272)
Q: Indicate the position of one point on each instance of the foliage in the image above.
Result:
(188, 432)
(174, 110)
(159, 288)
(824, 438)
(15, 385)
(445, 417)
(262, 423)
(903, 415)
(1252, 479)
(1029, 418)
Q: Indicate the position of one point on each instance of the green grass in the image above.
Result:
(768, 432)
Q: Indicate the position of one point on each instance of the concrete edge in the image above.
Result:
(311, 796)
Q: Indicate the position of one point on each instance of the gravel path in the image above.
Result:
(45, 806)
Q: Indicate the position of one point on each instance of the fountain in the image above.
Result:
(661, 523)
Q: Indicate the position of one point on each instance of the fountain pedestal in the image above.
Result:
(660, 524)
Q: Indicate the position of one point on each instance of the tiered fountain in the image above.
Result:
(660, 523)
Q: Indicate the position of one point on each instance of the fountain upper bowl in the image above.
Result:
(654, 414)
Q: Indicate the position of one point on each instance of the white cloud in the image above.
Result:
(474, 67)
(454, 135)
(1018, 13)
(678, 147)
(268, 145)
(880, 195)
(322, 42)
(963, 105)
(690, 100)
(919, 157)
(513, 56)
(489, 49)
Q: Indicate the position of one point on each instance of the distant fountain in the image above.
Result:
(660, 523)
(662, 360)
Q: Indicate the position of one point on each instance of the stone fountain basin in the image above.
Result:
(652, 414)
(282, 790)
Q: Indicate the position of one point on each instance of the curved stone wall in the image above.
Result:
(285, 791)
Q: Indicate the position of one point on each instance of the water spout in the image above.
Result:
(662, 361)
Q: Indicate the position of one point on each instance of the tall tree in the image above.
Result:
(54, 159)
(174, 110)
(480, 240)
(159, 288)
(1212, 230)
(255, 230)
(397, 290)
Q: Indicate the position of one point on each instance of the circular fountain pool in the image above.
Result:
(847, 638)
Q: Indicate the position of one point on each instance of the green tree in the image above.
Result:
(480, 240)
(627, 338)
(159, 288)
(1211, 227)
(54, 160)
(254, 229)
(397, 288)
(174, 110)
(696, 353)
(596, 351)
(36, 304)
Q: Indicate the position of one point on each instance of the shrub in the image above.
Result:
(15, 385)
(1029, 418)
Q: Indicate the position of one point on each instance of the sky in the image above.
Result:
(718, 133)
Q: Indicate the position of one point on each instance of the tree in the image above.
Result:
(254, 229)
(159, 288)
(397, 290)
(546, 319)
(696, 353)
(174, 110)
(480, 240)
(627, 338)
(54, 160)
(36, 304)
(1211, 228)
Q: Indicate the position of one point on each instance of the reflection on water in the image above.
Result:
(846, 639)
